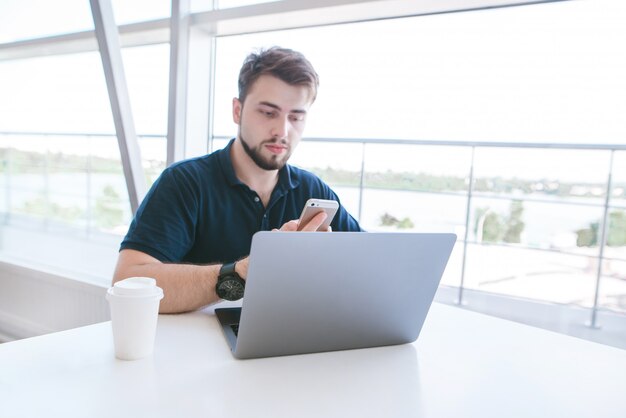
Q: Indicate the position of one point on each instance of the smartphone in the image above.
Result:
(315, 206)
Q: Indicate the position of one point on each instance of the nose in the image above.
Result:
(280, 128)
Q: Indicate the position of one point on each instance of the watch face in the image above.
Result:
(230, 288)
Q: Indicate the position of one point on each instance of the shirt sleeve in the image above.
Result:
(343, 221)
(165, 223)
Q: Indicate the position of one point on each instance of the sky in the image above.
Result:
(543, 73)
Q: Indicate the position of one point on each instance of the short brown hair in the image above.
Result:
(285, 64)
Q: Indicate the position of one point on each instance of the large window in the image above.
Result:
(543, 74)
(422, 123)
(61, 173)
(27, 19)
(547, 73)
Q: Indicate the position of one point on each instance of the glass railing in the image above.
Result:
(63, 200)
(540, 222)
(72, 180)
(544, 222)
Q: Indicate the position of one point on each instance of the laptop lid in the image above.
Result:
(314, 291)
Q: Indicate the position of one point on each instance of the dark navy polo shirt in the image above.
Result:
(198, 212)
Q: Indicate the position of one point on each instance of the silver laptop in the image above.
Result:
(310, 292)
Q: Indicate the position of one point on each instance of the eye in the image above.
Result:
(296, 117)
(268, 113)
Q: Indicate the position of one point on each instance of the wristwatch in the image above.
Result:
(230, 285)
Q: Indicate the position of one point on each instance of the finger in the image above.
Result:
(315, 222)
(290, 226)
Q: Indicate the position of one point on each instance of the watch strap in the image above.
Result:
(228, 268)
(230, 286)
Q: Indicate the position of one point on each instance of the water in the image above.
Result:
(546, 224)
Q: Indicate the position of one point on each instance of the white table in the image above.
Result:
(463, 365)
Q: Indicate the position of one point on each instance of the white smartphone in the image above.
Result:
(315, 206)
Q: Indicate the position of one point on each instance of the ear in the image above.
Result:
(237, 107)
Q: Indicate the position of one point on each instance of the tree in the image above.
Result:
(405, 223)
(616, 237)
(587, 237)
(390, 220)
(107, 211)
(514, 223)
(43, 207)
(617, 229)
(493, 227)
(490, 226)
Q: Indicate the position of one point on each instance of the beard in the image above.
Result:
(273, 162)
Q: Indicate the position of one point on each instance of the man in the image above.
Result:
(194, 228)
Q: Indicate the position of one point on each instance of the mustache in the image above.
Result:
(275, 141)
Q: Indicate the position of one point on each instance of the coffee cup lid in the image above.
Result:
(136, 286)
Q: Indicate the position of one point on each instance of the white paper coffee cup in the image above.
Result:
(134, 304)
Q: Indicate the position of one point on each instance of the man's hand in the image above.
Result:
(241, 268)
(242, 265)
(312, 225)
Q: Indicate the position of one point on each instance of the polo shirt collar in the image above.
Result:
(287, 178)
(227, 164)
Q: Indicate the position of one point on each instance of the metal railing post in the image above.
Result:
(603, 239)
(46, 190)
(8, 167)
(468, 209)
(362, 181)
(88, 171)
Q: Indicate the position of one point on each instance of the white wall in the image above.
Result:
(34, 302)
